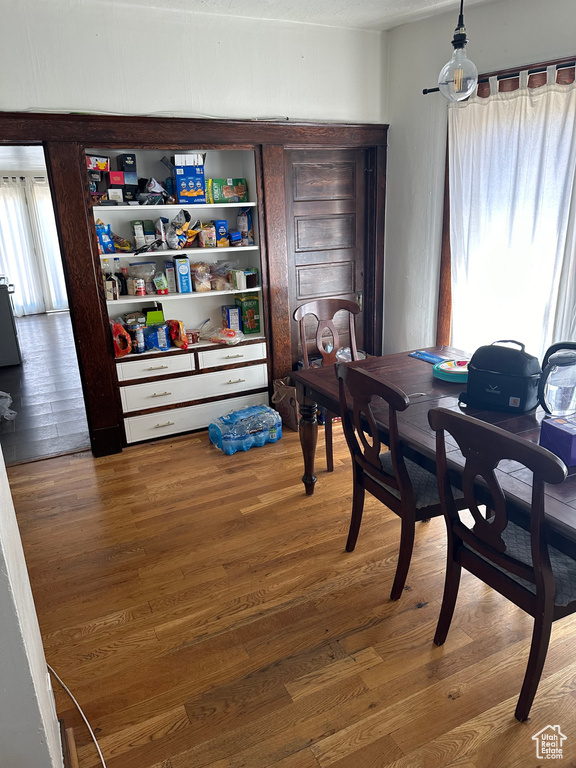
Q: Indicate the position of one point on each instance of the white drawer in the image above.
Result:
(143, 369)
(211, 358)
(152, 425)
(171, 391)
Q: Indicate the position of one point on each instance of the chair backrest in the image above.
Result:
(483, 447)
(360, 430)
(326, 334)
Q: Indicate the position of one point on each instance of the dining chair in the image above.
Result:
(405, 487)
(327, 343)
(518, 563)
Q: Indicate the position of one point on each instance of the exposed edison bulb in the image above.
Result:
(458, 79)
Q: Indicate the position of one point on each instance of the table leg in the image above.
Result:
(308, 429)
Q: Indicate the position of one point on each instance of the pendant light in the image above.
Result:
(459, 77)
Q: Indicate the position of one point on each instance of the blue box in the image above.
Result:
(558, 435)
(183, 277)
(190, 184)
(131, 178)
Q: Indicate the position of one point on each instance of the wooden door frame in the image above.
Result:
(65, 139)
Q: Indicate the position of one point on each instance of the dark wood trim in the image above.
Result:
(157, 132)
(88, 314)
(374, 282)
(275, 212)
(66, 138)
(444, 318)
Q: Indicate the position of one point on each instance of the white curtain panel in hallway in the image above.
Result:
(29, 251)
(512, 175)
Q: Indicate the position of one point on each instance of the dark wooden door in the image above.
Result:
(326, 232)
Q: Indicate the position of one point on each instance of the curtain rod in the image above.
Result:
(510, 75)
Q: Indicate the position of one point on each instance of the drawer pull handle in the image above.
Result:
(161, 394)
(156, 367)
(237, 381)
(231, 357)
(167, 424)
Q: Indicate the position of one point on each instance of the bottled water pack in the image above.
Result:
(243, 429)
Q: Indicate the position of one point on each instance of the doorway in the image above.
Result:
(42, 377)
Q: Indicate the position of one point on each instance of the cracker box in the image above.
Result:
(183, 278)
(226, 191)
(231, 317)
(249, 305)
(190, 184)
(558, 435)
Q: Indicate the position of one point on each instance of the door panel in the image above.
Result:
(326, 233)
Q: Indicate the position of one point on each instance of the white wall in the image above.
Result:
(103, 56)
(29, 734)
(502, 34)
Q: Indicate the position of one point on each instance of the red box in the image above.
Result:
(114, 178)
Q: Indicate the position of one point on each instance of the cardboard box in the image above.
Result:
(95, 175)
(231, 317)
(183, 278)
(222, 240)
(130, 192)
(116, 193)
(558, 435)
(190, 183)
(226, 191)
(114, 179)
(94, 163)
(131, 178)
(249, 305)
(170, 270)
(126, 162)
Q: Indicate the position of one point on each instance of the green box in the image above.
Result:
(226, 191)
(249, 304)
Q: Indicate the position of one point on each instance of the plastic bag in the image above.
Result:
(5, 411)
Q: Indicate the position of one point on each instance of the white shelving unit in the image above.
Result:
(163, 393)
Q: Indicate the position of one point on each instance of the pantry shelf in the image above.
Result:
(173, 207)
(181, 252)
(177, 296)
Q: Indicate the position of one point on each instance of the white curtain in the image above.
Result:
(29, 251)
(512, 211)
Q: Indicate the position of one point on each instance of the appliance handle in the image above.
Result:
(556, 348)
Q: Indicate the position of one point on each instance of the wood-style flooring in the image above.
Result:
(46, 393)
(204, 613)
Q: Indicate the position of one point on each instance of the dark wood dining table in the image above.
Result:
(319, 387)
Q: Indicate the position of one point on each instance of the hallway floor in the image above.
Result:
(46, 393)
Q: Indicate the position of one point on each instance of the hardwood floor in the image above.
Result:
(46, 393)
(205, 615)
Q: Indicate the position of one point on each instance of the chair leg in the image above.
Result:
(328, 439)
(357, 510)
(451, 584)
(538, 650)
(404, 556)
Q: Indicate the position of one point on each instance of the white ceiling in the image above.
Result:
(357, 14)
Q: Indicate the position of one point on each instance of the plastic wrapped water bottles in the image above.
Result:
(241, 430)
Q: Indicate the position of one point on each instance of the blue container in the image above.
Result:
(246, 428)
